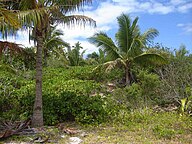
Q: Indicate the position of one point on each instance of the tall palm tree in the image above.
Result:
(130, 46)
(39, 15)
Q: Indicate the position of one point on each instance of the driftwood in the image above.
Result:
(10, 129)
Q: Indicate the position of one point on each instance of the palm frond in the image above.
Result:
(149, 35)
(9, 17)
(7, 68)
(151, 59)
(108, 66)
(135, 47)
(69, 5)
(127, 32)
(30, 18)
(104, 42)
(9, 22)
(61, 54)
(74, 19)
(28, 5)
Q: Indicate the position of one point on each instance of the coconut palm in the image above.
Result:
(8, 20)
(75, 56)
(39, 15)
(99, 57)
(130, 46)
(53, 41)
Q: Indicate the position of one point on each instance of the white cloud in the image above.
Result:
(76, 32)
(186, 27)
(185, 8)
(22, 38)
(177, 2)
(180, 25)
(160, 8)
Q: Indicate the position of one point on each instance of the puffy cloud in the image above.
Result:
(160, 8)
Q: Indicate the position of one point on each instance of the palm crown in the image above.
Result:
(130, 46)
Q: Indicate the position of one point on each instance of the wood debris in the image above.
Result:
(9, 128)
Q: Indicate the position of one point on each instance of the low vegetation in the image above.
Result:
(101, 105)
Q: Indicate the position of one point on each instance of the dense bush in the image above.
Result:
(176, 79)
(83, 73)
(140, 94)
(68, 92)
(67, 106)
(65, 97)
(9, 83)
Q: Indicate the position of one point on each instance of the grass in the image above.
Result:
(143, 127)
(138, 127)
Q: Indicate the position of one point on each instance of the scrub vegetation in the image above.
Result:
(129, 91)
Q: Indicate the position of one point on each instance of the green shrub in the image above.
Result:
(149, 84)
(65, 97)
(68, 106)
(9, 98)
(130, 97)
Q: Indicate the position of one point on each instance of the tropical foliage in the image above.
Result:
(75, 56)
(76, 88)
(131, 46)
(39, 15)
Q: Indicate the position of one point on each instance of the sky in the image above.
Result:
(172, 18)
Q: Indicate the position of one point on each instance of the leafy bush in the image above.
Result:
(130, 97)
(9, 101)
(141, 94)
(149, 83)
(67, 106)
(65, 97)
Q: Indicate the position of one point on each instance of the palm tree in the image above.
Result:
(75, 56)
(130, 46)
(98, 57)
(53, 41)
(8, 20)
(39, 15)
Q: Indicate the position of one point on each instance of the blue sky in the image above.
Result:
(172, 18)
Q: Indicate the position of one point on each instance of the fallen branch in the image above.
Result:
(14, 128)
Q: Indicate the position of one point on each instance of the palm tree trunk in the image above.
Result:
(45, 56)
(127, 76)
(37, 119)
